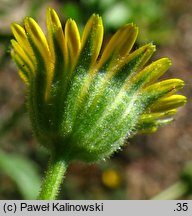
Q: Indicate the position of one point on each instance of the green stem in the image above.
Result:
(53, 179)
(173, 192)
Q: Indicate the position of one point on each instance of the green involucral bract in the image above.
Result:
(85, 103)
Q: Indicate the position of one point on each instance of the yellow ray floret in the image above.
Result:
(55, 34)
(120, 44)
(25, 58)
(37, 38)
(156, 115)
(21, 37)
(73, 41)
(93, 33)
(173, 101)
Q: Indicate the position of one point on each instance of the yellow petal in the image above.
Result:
(23, 77)
(93, 37)
(120, 44)
(55, 33)
(154, 120)
(73, 41)
(17, 49)
(38, 38)
(167, 87)
(153, 116)
(21, 37)
(23, 70)
(145, 51)
(132, 62)
(149, 130)
(154, 128)
(167, 103)
(151, 73)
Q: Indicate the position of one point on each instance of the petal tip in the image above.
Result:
(96, 19)
(16, 28)
(177, 83)
(152, 46)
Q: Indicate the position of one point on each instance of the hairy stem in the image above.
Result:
(53, 179)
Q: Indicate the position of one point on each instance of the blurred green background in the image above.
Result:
(149, 166)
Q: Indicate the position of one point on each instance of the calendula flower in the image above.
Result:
(84, 103)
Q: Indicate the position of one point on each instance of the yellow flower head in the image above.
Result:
(83, 102)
